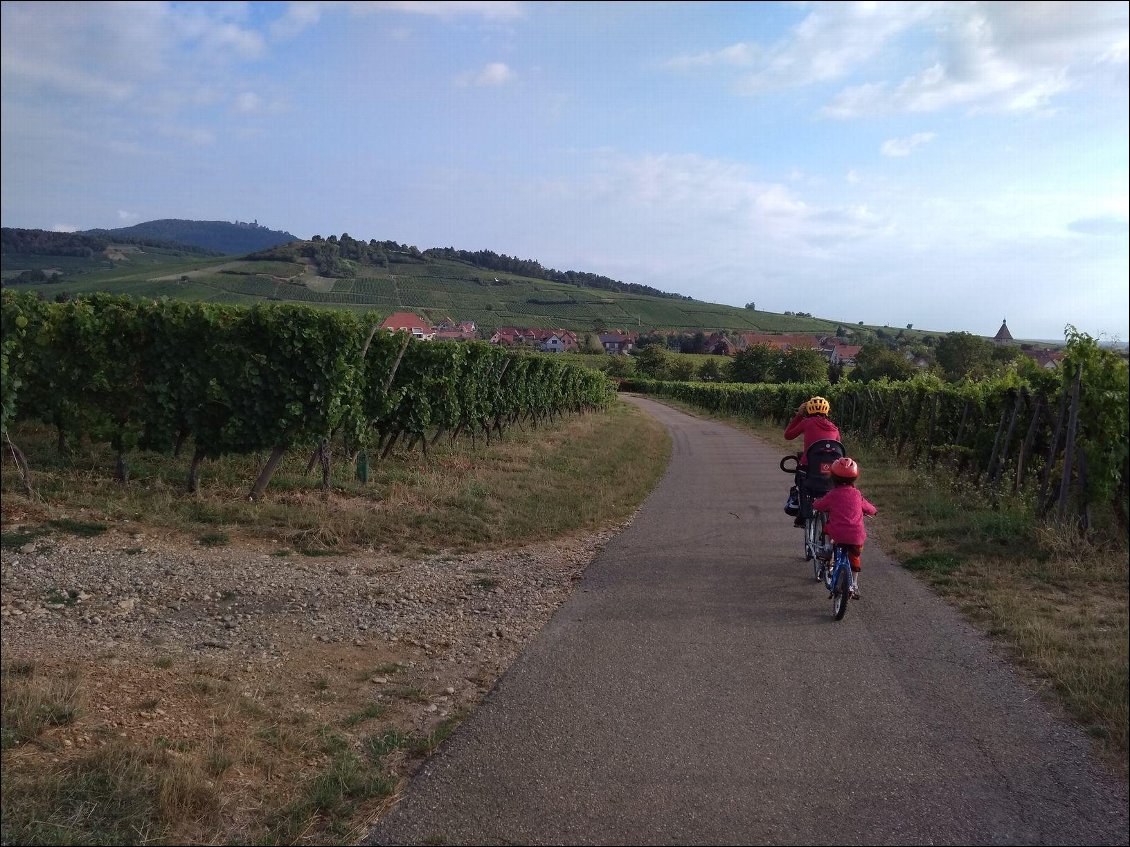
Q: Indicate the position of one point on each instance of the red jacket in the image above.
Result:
(814, 428)
(846, 507)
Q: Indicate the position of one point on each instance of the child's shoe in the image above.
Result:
(855, 587)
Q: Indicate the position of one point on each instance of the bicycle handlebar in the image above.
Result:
(796, 463)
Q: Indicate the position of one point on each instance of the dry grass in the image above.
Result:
(152, 745)
(583, 472)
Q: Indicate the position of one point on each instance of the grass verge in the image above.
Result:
(533, 484)
(162, 747)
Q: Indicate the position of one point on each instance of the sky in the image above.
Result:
(941, 165)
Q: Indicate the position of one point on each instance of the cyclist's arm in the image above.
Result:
(794, 428)
(868, 508)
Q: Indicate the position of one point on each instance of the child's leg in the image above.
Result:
(855, 556)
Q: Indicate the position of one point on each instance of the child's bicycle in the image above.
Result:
(834, 569)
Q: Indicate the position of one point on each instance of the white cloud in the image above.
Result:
(494, 73)
(195, 136)
(903, 146)
(127, 216)
(832, 42)
(736, 55)
(1101, 225)
(301, 15)
(1001, 57)
(248, 102)
(853, 177)
(64, 228)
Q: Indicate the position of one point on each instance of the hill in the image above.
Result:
(229, 239)
(490, 289)
(436, 288)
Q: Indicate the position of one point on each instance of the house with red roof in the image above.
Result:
(545, 340)
(449, 330)
(1046, 359)
(778, 341)
(410, 323)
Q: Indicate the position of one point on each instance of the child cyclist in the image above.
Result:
(811, 420)
(845, 506)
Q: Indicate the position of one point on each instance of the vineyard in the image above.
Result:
(1061, 440)
(212, 380)
(436, 289)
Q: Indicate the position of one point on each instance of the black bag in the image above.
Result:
(792, 505)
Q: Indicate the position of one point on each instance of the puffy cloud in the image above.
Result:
(1001, 57)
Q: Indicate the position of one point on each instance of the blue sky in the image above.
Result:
(944, 165)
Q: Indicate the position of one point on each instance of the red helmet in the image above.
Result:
(845, 468)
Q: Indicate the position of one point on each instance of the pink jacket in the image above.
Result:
(814, 428)
(846, 507)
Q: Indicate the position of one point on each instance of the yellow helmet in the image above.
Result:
(818, 406)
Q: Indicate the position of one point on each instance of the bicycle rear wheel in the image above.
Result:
(840, 593)
(819, 566)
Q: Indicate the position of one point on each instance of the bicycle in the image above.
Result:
(839, 582)
(835, 572)
(810, 486)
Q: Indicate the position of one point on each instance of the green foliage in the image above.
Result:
(1104, 431)
(802, 364)
(756, 363)
(976, 425)
(653, 362)
(157, 373)
(876, 361)
(962, 355)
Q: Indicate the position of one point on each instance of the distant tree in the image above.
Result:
(681, 369)
(802, 364)
(964, 355)
(756, 363)
(751, 306)
(876, 361)
(621, 366)
(910, 326)
(590, 343)
(710, 371)
(694, 343)
(653, 362)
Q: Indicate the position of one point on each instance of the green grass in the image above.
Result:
(435, 289)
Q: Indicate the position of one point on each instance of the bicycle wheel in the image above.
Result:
(829, 572)
(819, 566)
(840, 594)
(809, 531)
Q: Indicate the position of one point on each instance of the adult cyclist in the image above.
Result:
(811, 420)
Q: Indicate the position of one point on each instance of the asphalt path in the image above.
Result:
(695, 690)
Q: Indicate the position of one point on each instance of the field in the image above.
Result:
(436, 289)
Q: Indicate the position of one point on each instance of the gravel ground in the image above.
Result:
(144, 617)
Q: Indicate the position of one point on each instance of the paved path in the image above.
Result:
(694, 690)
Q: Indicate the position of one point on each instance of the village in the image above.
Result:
(838, 351)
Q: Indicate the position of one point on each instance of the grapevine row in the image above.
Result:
(159, 375)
